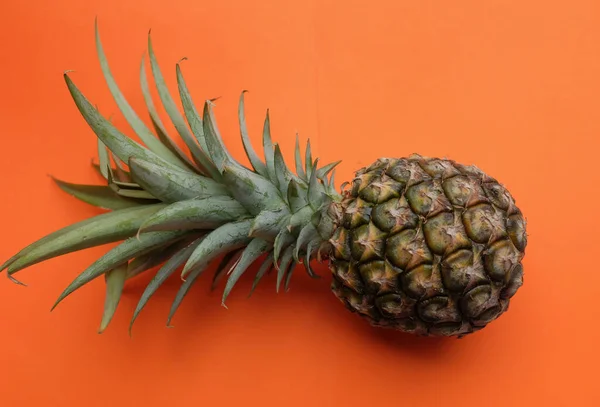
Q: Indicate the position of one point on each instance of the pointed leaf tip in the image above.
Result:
(129, 114)
(115, 280)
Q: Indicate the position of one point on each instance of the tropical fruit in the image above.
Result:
(418, 244)
(427, 245)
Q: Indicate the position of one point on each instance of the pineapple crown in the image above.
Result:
(171, 209)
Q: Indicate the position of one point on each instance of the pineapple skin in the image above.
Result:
(426, 246)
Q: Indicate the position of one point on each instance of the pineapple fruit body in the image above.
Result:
(426, 246)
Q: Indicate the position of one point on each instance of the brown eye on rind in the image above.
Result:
(427, 198)
(445, 234)
(500, 259)
(380, 276)
(461, 270)
(483, 223)
(515, 225)
(357, 213)
(405, 250)
(394, 216)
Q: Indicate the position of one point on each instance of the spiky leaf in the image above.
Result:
(268, 223)
(162, 275)
(115, 279)
(283, 240)
(103, 158)
(214, 142)
(157, 123)
(257, 164)
(196, 125)
(268, 149)
(297, 195)
(227, 263)
(122, 146)
(156, 257)
(286, 259)
(224, 239)
(307, 233)
(171, 108)
(203, 213)
(253, 191)
(284, 175)
(298, 160)
(132, 118)
(220, 241)
(171, 185)
(308, 160)
(100, 196)
(123, 252)
(101, 229)
(253, 251)
(261, 272)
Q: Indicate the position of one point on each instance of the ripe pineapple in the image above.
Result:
(419, 244)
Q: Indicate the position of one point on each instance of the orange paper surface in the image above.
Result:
(511, 86)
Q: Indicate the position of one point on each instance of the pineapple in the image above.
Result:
(421, 245)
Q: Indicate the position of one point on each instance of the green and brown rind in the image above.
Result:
(427, 246)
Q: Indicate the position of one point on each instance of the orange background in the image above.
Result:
(512, 86)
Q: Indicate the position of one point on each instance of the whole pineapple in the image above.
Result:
(418, 244)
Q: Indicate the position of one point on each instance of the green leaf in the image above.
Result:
(122, 146)
(282, 241)
(331, 185)
(310, 249)
(162, 275)
(220, 241)
(307, 233)
(103, 158)
(168, 103)
(115, 280)
(325, 170)
(261, 272)
(120, 170)
(227, 263)
(196, 125)
(288, 276)
(125, 251)
(157, 123)
(308, 160)
(101, 229)
(116, 184)
(155, 258)
(268, 149)
(284, 175)
(253, 251)
(171, 185)
(298, 160)
(301, 217)
(132, 118)
(286, 259)
(297, 196)
(268, 223)
(315, 189)
(127, 189)
(205, 213)
(224, 239)
(250, 189)
(214, 142)
(101, 196)
(257, 164)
